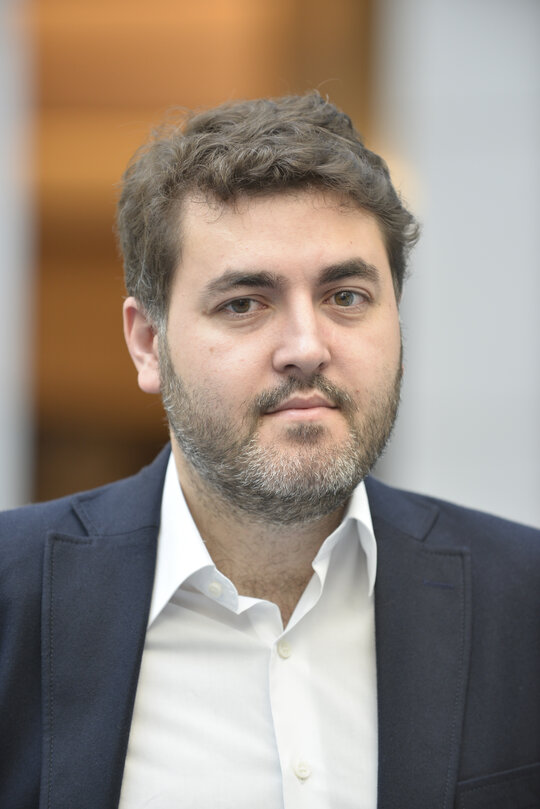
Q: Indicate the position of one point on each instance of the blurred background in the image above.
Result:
(446, 90)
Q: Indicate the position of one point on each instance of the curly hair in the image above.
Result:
(244, 148)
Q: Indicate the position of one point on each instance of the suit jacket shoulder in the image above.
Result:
(112, 510)
(447, 523)
(108, 509)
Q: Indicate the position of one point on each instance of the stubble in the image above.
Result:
(308, 479)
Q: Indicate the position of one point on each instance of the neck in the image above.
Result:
(262, 559)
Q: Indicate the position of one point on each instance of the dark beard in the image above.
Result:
(268, 484)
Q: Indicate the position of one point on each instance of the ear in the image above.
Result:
(142, 343)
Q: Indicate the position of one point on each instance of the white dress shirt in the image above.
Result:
(233, 711)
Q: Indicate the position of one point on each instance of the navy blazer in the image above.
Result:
(457, 609)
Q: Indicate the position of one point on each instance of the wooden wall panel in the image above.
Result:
(140, 54)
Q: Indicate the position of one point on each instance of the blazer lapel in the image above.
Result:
(422, 615)
(96, 596)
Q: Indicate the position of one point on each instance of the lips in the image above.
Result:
(301, 403)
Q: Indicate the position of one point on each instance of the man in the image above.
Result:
(247, 622)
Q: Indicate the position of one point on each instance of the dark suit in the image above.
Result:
(458, 649)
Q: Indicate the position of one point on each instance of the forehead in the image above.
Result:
(287, 232)
(207, 212)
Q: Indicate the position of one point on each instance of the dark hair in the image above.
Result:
(247, 147)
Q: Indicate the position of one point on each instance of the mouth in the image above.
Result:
(309, 406)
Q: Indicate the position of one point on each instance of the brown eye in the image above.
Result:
(240, 306)
(345, 298)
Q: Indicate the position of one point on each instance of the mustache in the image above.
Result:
(269, 400)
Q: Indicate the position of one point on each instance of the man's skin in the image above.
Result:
(231, 340)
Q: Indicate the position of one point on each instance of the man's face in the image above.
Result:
(281, 367)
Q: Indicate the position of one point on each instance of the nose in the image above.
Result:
(302, 344)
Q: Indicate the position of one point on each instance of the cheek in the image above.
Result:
(387, 341)
(228, 370)
(228, 355)
(373, 361)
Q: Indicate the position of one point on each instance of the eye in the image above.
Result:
(346, 298)
(242, 306)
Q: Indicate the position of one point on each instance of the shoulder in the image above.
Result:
(501, 557)
(102, 516)
(117, 507)
(23, 535)
(446, 523)
(23, 531)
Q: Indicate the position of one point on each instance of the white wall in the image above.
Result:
(458, 104)
(15, 259)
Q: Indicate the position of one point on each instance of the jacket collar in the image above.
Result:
(127, 505)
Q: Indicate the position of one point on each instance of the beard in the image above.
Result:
(300, 483)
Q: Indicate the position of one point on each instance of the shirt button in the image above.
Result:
(284, 649)
(214, 589)
(302, 770)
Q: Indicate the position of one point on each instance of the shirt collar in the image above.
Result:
(358, 510)
(176, 561)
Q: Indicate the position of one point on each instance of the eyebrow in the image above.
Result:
(235, 279)
(352, 268)
(232, 279)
